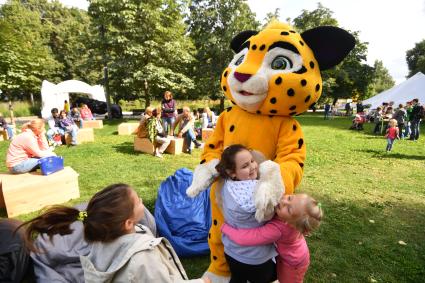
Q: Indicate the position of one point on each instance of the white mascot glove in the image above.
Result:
(270, 189)
(203, 177)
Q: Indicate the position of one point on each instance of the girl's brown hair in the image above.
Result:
(168, 94)
(227, 161)
(107, 212)
(309, 221)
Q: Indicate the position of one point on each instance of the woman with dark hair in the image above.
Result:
(121, 249)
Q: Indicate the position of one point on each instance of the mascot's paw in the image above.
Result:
(203, 176)
(216, 278)
(269, 190)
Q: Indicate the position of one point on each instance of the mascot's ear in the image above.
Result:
(330, 45)
(240, 38)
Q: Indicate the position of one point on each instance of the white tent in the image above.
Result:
(414, 87)
(53, 96)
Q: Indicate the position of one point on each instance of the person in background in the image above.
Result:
(27, 148)
(391, 134)
(417, 115)
(169, 107)
(120, 249)
(76, 117)
(66, 106)
(400, 116)
(377, 119)
(409, 108)
(327, 111)
(209, 119)
(5, 128)
(55, 132)
(68, 125)
(186, 124)
(85, 113)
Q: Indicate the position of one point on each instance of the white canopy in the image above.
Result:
(53, 96)
(414, 87)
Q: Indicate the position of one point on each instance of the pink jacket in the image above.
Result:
(86, 114)
(290, 243)
(26, 145)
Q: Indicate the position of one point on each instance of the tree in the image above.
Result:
(144, 45)
(350, 79)
(382, 78)
(212, 25)
(415, 58)
(25, 59)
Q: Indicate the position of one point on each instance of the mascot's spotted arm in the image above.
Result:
(274, 75)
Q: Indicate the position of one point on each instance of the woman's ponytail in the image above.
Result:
(55, 220)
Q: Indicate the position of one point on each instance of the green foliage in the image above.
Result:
(212, 25)
(144, 45)
(415, 58)
(382, 78)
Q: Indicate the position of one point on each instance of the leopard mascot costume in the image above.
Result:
(274, 75)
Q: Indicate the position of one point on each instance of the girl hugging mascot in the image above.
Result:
(274, 75)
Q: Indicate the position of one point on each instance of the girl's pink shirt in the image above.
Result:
(86, 113)
(290, 243)
(26, 145)
(392, 132)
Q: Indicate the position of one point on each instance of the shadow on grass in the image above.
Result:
(383, 154)
(126, 147)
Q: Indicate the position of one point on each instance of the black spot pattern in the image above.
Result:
(214, 257)
(294, 127)
(307, 98)
(262, 47)
(273, 111)
(233, 102)
(209, 235)
(202, 161)
(211, 146)
(225, 74)
(232, 128)
(300, 143)
(301, 71)
(303, 82)
(284, 33)
(293, 107)
(290, 92)
(258, 112)
(292, 113)
(278, 81)
(292, 31)
(317, 87)
(215, 222)
(254, 47)
(273, 100)
(224, 88)
(229, 108)
(301, 165)
(312, 64)
(302, 43)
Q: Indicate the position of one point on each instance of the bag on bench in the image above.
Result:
(50, 164)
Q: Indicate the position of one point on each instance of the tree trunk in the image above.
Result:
(32, 99)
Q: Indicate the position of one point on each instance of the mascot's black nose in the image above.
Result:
(242, 77)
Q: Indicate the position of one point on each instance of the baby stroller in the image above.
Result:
(358, 122)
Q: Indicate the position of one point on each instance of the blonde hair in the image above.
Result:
(392, 123)
(208, 111)
(34, 125)
(168, 94)
(310, 220)
(149, 110)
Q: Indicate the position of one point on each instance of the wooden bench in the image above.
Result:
(206, 133)
(24, 193)
(177, 145)
(95, 124)
(125, 129)
(84, 135)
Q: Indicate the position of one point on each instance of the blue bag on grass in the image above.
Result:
(50, 164)
(184, 221)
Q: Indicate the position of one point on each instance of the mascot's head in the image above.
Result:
(277, 71)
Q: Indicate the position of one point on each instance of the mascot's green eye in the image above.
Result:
(239, 61)
(281, 63)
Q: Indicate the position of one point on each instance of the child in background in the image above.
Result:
(239, 171)
(392, 133)
(66, 106)
(68, 125)
(86, 113)
(121, 249)
(76, 117)
(296, 215)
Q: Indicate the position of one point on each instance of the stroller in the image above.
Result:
(358, 121)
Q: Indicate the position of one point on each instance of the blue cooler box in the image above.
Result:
(50, 164)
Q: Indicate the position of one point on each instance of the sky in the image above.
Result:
(391, 27)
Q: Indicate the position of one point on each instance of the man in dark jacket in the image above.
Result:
(417, 115)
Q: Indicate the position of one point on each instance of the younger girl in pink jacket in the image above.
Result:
(296, 215)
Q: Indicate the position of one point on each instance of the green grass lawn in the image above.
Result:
(372, 199)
